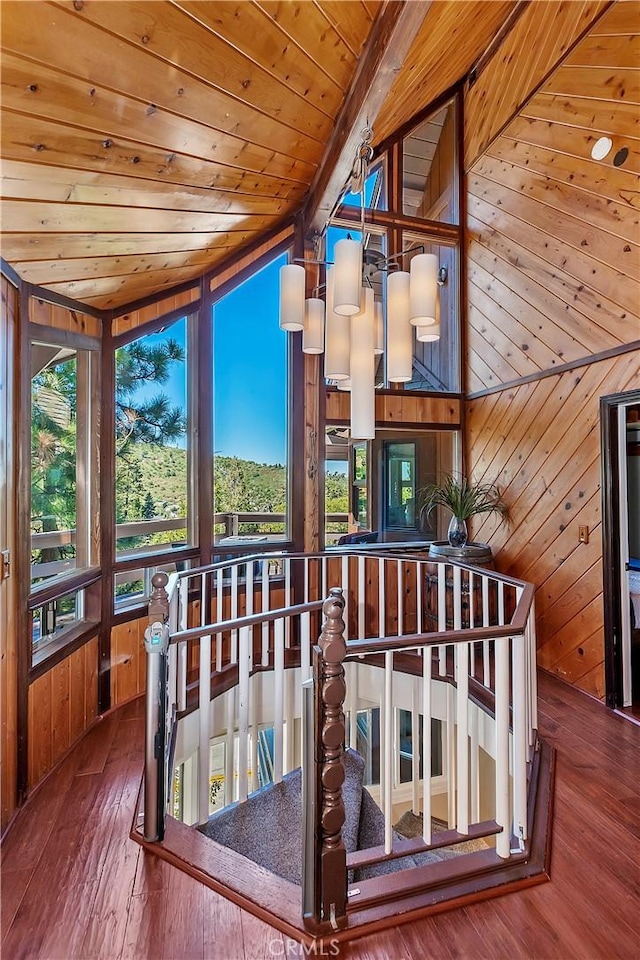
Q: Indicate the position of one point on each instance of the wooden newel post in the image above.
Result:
(330, 812)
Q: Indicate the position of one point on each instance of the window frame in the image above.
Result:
(83, 580)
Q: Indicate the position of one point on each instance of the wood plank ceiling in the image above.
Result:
(143, 143)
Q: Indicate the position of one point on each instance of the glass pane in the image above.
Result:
(152, 464)
(56, 617)
(430, 176)
(336, 484)
(250, 372)
(54, 380)
(401, 485)
(436, 364)
(405, 736)
(132, 587)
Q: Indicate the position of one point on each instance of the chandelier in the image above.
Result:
(349, 326)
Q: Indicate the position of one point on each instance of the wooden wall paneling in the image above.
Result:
(49, 314)
(535, 322)
(153, 311)
(397, 407)
(588, 277)
(608, 324)
(618, 219)
(127, 660)
(8, 592)
(574, 231)
(547, 461)
(541, 35)
(62, 707)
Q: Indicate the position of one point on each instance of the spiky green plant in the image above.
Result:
(462, 498)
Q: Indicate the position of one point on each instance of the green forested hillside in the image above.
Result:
(152, 482)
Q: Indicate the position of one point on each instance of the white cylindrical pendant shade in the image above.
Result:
(313, 333)
(292, 291)
(431, 332)
(399, 330)
(379, 344)
(344, 385)
(337, 342)
(428, 334)
(347, 277)
(363, 397)
(423, 289)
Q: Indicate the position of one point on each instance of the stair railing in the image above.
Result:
(472, 628)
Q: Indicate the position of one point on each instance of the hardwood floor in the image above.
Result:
(75, 886)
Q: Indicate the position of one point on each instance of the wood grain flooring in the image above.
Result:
(75, 886)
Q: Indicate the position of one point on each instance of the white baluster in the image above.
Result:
(475, 770)
(399, 593)
(388, 751)
(519, 710)
(305, 646)
(182, 647)
(419, 577)
(382, 619)
(426, 744)
(503, 819)
(442, 615)
(219, 599)
(278, 713)
(415, 749)
(265, 609)
(346, 594)
(234, 612)
(362, 605)
(486, 644)
(204, 728)
(451, 759)
(352, 696)
(243, 712)
(462, 750)
(230, 721)
(287, 600)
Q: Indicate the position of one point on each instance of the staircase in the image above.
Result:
(267, 827)
(342, 835)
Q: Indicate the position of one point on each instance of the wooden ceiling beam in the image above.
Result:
(386, 48)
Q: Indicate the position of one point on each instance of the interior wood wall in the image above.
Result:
(553, 264)
(541, 442)
(8, 592)
(63, 704)
(398, 408)
(540, 37)
(135, 318)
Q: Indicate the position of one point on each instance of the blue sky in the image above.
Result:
(249, 372)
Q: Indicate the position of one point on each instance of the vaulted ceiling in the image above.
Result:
(144, 143)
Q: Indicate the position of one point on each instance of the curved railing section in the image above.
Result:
(439, 641)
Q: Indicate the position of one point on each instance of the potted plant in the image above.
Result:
(464, 499)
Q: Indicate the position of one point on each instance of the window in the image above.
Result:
(63, 451)
(63, 487)
(250, 413)
(152, 425)
(430, 171)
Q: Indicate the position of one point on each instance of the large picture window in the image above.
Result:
(154, 428)
(250, 413)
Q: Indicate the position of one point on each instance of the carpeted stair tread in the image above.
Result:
(410, 825)
(371, 834)
(267, 828)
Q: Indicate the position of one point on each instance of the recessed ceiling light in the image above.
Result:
(601, 148)
(621, 156)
